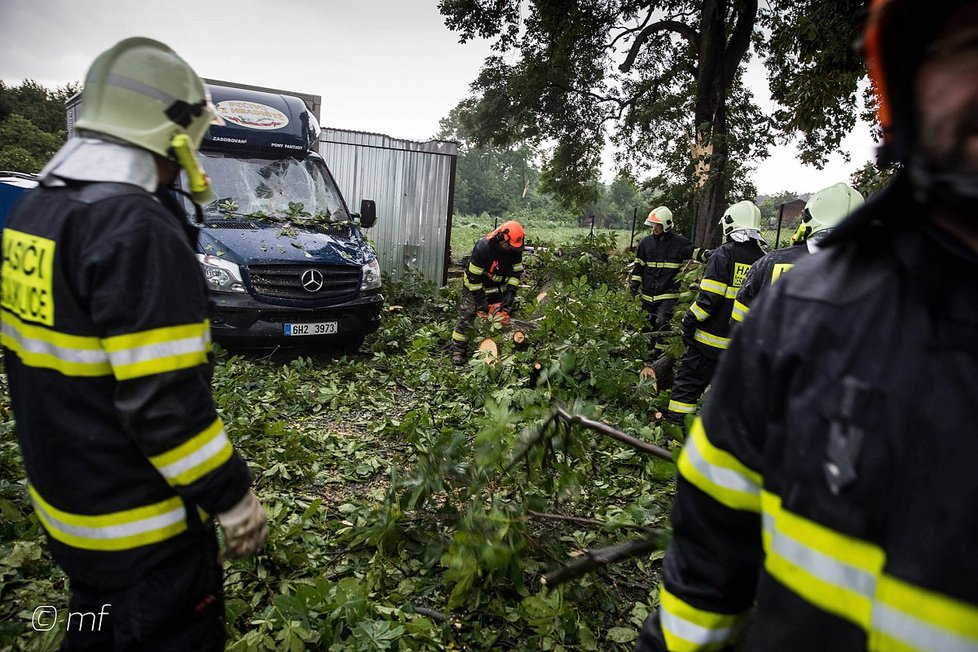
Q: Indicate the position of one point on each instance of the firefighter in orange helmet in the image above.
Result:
(492, 276)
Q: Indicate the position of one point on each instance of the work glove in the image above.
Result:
(245, 527)
(508, 302)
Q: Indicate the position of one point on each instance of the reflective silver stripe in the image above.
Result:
(692, 632)
(665, 265)
(698, 312)
(918, 633)
(172, 517)
(731, 292)
(137, 86)
(158, 351)
(716, 287)
(681, 408)
(718, 475)
(205, 452)
(739, 311)
(31, 345)
(711, 340)
(826, 568)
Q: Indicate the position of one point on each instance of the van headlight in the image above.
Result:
(371, 275)
(221, 275)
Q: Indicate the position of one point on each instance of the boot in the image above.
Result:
(459, 357)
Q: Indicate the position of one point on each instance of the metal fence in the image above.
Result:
(413, 185)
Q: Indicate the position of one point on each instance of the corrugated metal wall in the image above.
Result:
(412, 184)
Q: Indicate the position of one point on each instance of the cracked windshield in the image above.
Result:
(278, 190)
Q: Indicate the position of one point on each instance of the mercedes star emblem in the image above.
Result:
(312, 280)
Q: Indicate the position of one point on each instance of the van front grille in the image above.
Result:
(302, 282)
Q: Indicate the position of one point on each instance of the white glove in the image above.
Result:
(245, 527)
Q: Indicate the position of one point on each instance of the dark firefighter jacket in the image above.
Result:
(768, 268)
(830, 485)
(657, 264)
(492, 272)
(708, 318)
(106, 347)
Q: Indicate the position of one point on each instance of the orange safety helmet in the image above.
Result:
(511, 232)
(896, 39)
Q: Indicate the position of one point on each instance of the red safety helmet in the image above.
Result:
(511, 232)
(896, 39)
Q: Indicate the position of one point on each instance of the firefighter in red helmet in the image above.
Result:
(827, 498)
(491, 277)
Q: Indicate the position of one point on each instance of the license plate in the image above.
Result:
(316, 328)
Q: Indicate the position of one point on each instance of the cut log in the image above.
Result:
(489, 349)
(519, 338)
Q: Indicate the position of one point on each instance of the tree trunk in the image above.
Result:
(719, 59)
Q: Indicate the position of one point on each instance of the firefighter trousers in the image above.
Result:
(692, 378)
(177, 606)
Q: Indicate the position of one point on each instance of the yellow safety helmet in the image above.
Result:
(829, 206)
(742, 216)
(140, 91)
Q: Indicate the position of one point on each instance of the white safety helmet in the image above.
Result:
(140, 91)
(742, 216)
(660, 215)
(829, 206)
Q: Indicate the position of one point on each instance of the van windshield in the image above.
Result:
(278, 190)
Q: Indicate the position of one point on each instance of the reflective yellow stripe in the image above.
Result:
(196, 457)
(681, 408)
(130, 528)
(688, 629)
(472, 287)
(513, 281)
(660, 297)
(637, 279)
(711, 340)
(716, 287)
(732, 292)
(639, 261)
(37, 346)
(664, 265)
(518, 267)
(917, 618)
(842, 575)
(698, 312)
(459, 337)
(719, 474)
(497, 278)
(739, 311)
(159, 350)
(475, 270)
(492, 290)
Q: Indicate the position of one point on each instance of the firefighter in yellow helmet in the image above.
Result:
(827, 499)
(108, 355)
(823, 211)
(491, 278)
(658, 260)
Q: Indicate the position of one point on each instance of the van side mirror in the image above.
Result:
(368, 213)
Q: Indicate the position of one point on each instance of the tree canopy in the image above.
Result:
(32, 124)
(663, 80)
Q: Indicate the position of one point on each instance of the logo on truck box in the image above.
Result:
(252, 115)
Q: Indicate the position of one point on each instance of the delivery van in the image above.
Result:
(285, 260)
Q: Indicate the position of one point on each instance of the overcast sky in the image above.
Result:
(386, 66)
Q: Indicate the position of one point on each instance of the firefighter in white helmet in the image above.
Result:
(109, 368)
(823, 211)
(660, 256)
(707, 322)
